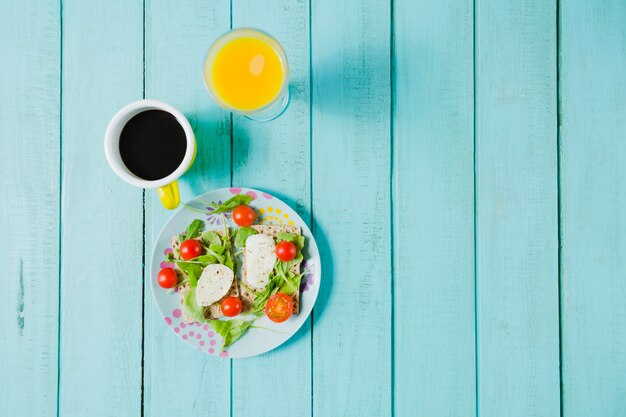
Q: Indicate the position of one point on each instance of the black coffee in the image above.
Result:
(152, 144)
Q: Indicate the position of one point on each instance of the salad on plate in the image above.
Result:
(230, 277)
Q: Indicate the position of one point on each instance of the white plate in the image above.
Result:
(268, 335)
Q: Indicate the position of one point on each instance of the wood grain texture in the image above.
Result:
(275, 157)
(517, 233)
(338, 364)
(593, 222)
(178, 35)
(29, 180)
(433, 201)
(101, 274)
(351, 207)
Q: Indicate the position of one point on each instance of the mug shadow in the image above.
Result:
(212, 164)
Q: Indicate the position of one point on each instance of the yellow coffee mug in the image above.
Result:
(167, 187)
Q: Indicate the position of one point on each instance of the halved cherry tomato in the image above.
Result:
(231, 306)
(243, 216)
(190, 249)
(279, 307)
(286, 251)
(167, 278)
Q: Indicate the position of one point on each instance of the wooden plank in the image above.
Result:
(351, 207)
(30, 181)
(593, 174)
(517, 233)
(275, 157)
(101, 289)
(177, 38)
(433, 209)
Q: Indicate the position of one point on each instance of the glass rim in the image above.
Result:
(253, 33)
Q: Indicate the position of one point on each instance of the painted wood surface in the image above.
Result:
(516, 209)
(29, 209)
(421, 144)
(351, 145)
(101, 288)
(433, 201)
(178, 379)
(593, 199)
(275, 157)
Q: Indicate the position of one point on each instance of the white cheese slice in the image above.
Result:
(214, 283)
(260, 260)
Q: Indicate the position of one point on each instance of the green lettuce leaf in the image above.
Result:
(235, 201)
(290, 281)
(298, 241)
(193, 271)
(220, 258)
(242, 235)
(219, 249)
(291, 284)
(270, 289)
(231, 330)
(211, 238)
(206, 259)
(194, 229)
(228, 260)
(190, 307)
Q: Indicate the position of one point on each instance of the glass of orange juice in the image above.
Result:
(246, 72)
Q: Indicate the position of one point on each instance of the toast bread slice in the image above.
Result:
(214, 311)
(247, 297)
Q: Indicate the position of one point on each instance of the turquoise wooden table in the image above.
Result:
(462, 165)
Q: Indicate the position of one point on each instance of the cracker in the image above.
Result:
(214, 311)
(247, 297)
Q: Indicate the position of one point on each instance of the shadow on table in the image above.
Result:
(212, 163)
(355, 79)
(327, 275)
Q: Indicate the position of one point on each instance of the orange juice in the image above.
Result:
(246, 70)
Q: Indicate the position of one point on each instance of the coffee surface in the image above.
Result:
(152, 144)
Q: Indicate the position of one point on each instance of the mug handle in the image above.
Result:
(169, 195)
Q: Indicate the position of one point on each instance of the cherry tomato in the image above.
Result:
(279, 307)
(231, 306)
(190, 249)
(286, 251)
(167, 278)
(243, 216)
